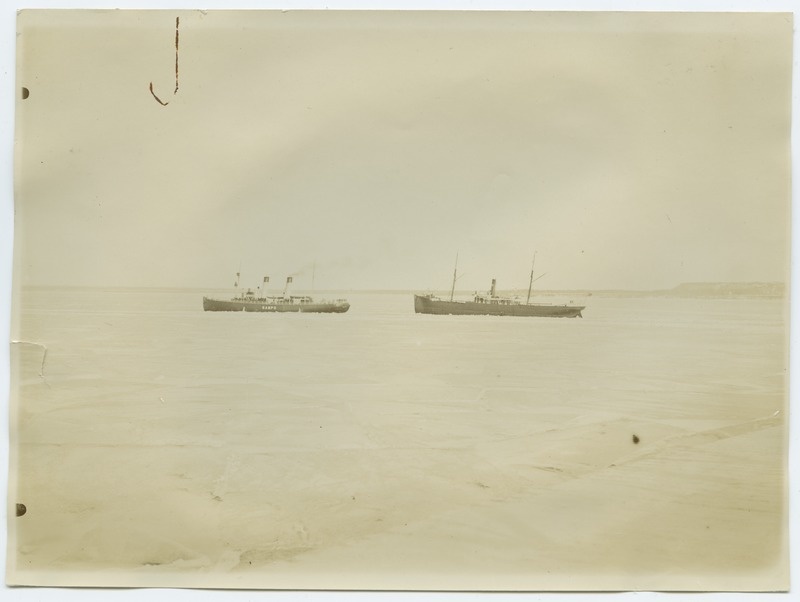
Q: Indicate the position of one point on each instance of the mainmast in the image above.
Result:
(530, 284)
(455, 271)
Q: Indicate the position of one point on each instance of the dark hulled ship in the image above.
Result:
(490, 304)
(257, 301)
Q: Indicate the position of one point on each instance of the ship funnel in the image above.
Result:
(286, 288)
(494, 285)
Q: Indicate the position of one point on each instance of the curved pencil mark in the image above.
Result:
(175, 91)
(161, 102)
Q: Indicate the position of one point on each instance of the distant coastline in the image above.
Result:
(727, 289)
(689, 290)
(714, 290)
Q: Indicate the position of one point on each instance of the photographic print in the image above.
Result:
(387, 300)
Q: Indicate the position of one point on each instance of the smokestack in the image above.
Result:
(494, 283)
(286, 288)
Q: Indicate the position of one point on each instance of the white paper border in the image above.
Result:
(7, 102)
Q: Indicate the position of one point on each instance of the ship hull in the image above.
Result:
(262, 306)
(428, 305)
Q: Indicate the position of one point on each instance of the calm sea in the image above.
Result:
(154, 434)
(666, 352)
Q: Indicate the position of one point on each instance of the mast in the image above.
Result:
(530, 284)
(238, 273)
(455, 271)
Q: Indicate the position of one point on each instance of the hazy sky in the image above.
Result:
(629, 150)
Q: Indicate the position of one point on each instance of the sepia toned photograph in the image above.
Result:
(401, 300)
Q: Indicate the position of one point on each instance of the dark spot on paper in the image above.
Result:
(21, 509)
(25, 93)
(635, 439)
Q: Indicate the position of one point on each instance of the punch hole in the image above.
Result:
(25, 93)
(21, 509)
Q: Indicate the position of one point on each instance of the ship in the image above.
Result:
(490, 304)
(258, 301)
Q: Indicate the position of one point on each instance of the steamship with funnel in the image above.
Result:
(258, 301)
(490, 304)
